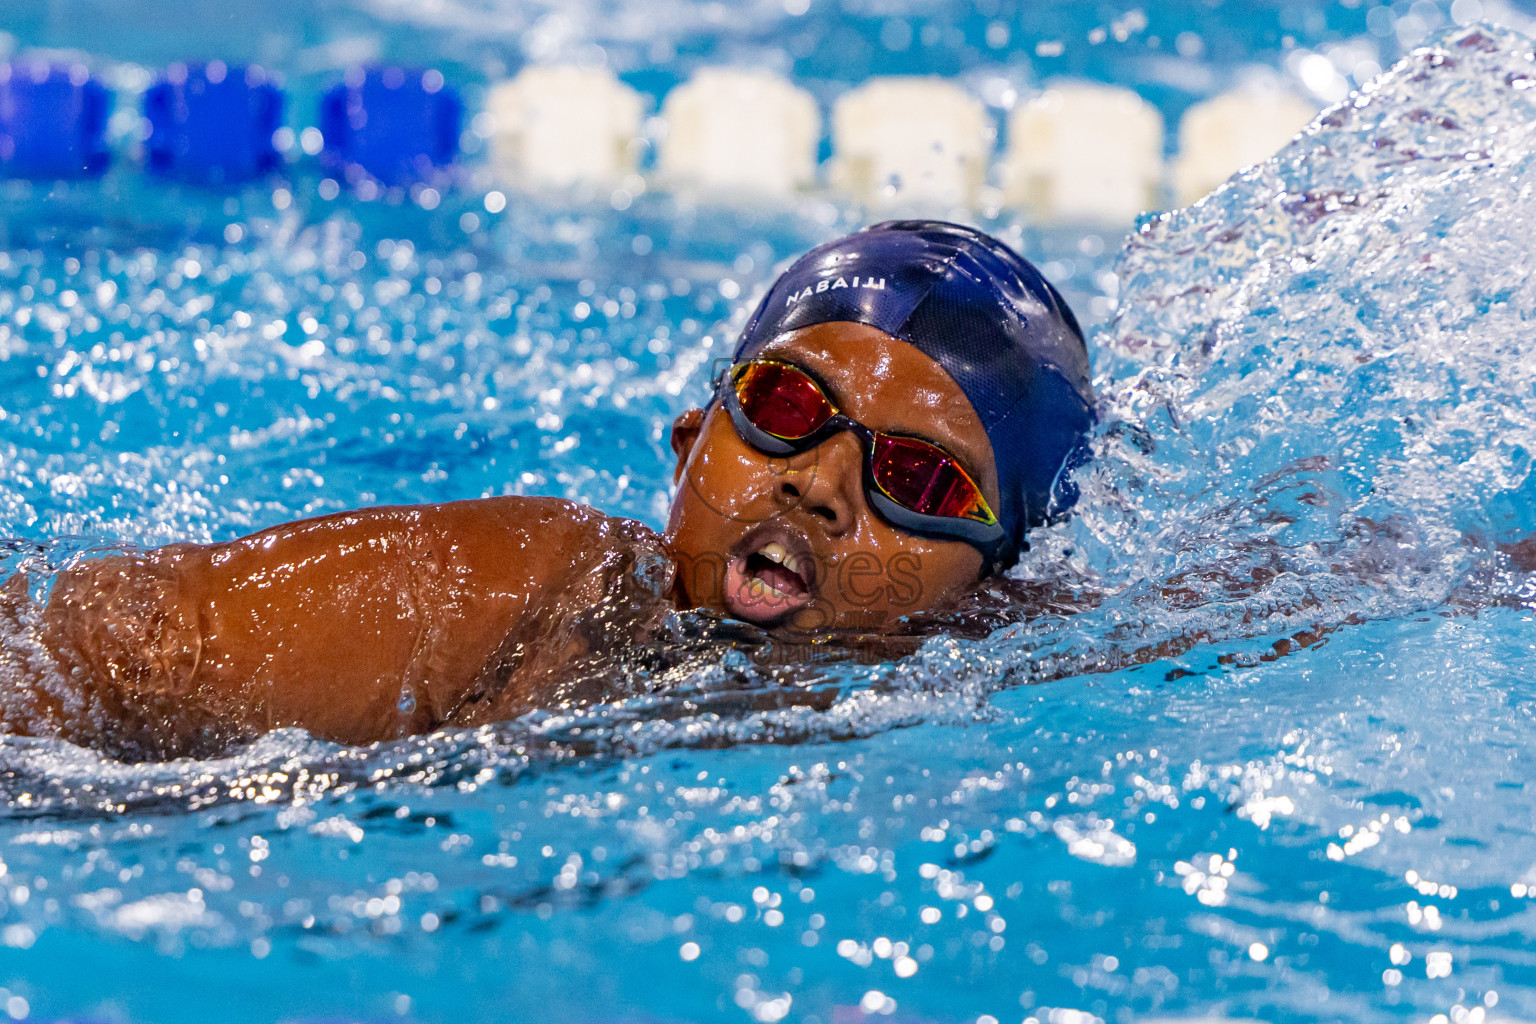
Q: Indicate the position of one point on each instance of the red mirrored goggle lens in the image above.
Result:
(923, 478)
(782, 401)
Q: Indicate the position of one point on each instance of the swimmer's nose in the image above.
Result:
(830, 490)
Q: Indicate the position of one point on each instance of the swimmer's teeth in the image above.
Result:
(776, 552)
(760, 589)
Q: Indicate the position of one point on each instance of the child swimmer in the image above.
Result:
(900, 411)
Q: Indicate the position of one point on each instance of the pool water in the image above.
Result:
(1276, 767)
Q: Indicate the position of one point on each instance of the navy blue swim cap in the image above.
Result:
(983, 313)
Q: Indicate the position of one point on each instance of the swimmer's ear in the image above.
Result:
(685, 434)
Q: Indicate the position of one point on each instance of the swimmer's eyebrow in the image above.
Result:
(973, 462)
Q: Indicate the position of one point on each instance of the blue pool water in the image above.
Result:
(1275, 765)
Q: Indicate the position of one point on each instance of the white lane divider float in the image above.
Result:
(1084, 153)
(559, 126)
(900, 141)
(731, 130)
(1226, 133)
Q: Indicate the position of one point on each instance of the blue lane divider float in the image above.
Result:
(53, 120)
(392, 125)
(212, 124)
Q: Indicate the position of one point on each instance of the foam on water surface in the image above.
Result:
(1277, 770)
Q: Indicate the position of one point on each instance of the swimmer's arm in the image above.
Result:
(325, 624)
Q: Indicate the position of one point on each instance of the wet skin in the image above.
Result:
(366, 625)
(856, 570)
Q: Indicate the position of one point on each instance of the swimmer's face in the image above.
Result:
(793, 541)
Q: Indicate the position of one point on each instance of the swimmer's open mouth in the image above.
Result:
(770, 576)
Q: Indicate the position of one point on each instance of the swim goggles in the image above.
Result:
(916, 486)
